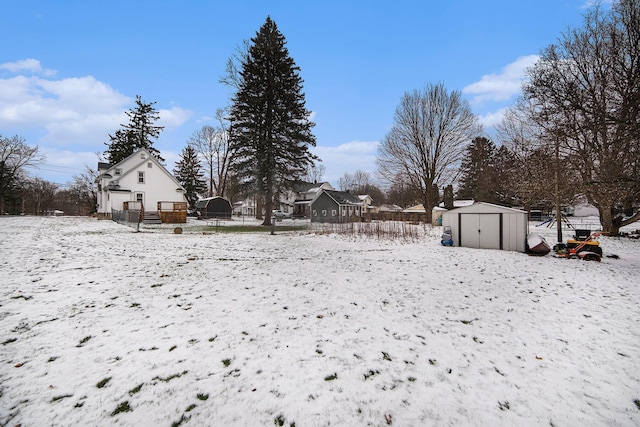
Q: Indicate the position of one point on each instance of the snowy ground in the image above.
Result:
(104, 326)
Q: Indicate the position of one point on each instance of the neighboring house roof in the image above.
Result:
(305, 187)
(308, 190)
(416, 208)
(343, 197)
(390, 208)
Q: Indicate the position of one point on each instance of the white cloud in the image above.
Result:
(502, 86)
(27, 65)
(490, 120)
(347, 157)
(80, 111)
(68, 111)
(173, 118)
(590, 3)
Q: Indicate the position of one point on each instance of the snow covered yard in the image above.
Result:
(101, 325)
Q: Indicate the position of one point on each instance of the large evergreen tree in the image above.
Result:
(270, 127)
(140, 132)
(478, 180)
(188, 173)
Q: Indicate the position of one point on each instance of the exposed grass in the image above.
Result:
(202, 396)
(103, 382)
(9, 341)
(180, 421)
(332, 377)
(62, 396)
(84, 340)
(122, 407)
(637, 402)
(253, 228)
(226, 362)
(370, 374)
(136, 389)
(170, 377)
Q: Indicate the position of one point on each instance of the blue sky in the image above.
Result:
(69, 69)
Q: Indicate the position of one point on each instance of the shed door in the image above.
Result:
(480, 231)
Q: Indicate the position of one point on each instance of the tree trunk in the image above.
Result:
(268, 208)
(607, 223)
(556, 186)
(259, 206)
(428, 209)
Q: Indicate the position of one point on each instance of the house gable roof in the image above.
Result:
(343, 197)
(142, 159)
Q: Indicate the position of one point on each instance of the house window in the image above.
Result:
(315, 213)
(334, 212)
(139, 197)
(140, 177)
(118, 171)
(324, 212)
(149, 165)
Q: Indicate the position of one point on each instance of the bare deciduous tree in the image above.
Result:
(356, 181)
(84, 190)
(40, 195)
(518, 133)
(586, 91)
(15, 156)
(233, 66)
(315, 172)
(212, 144)
(431, 130)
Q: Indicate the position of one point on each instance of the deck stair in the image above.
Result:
(151, 218)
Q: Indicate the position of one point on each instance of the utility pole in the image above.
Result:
(557, 188)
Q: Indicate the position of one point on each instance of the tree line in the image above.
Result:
(573, 134)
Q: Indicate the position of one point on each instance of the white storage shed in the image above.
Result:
(487, 226)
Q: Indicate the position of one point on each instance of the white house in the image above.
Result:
(138, 182)
(367, 203)
(487, 226)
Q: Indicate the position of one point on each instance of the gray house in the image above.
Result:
(336, 206)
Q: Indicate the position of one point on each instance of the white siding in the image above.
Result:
(483, 225)
(158, 186)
